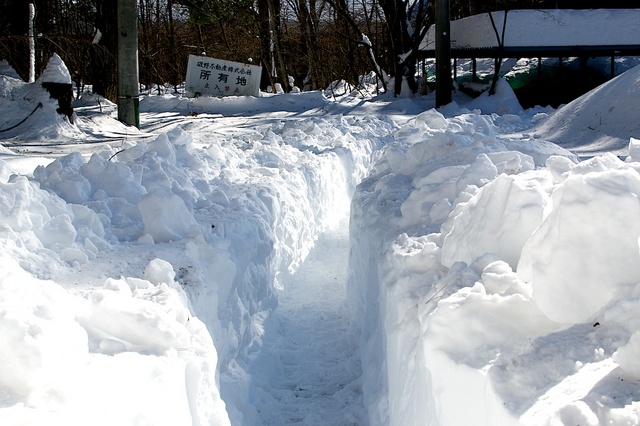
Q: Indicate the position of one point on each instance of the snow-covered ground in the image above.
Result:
(304, 259)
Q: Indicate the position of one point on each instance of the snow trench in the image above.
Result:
(295, 357)
(201, 279)
(143, 247)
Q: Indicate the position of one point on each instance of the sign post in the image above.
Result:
(214, 77)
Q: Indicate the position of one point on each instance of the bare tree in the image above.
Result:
(363, 40)
(308, 14)
(105, 61)
(408, 22)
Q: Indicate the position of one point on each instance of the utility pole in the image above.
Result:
(128, 87)
(443, 53)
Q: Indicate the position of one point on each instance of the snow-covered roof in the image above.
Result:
(545, 28)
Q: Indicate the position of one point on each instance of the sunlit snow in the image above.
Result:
(306, 259)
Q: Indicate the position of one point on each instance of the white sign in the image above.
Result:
(213, 77)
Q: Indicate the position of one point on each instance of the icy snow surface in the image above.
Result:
(295, 259)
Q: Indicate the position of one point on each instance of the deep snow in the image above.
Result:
(199, 271)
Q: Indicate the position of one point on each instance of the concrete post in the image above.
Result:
(443, 53)
(128, 87)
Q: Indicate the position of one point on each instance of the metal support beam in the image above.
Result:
(443, 53)
(539, 69)
(455, 69)
(474, 64)
(612, 72)
(128, 87)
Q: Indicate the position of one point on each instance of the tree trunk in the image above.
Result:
(105, 61)
(264, 25)
(340, 7)
(396, 17)
(276, 34)
(310, 41)
(174, 72)
(407, 28)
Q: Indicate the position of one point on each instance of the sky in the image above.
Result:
(320, 259)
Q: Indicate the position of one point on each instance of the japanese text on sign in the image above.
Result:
(214, 77)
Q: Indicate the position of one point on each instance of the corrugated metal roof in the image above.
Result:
(545, 28)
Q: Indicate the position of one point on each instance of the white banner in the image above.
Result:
(214, 77)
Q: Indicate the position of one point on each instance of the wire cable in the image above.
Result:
(25, 119)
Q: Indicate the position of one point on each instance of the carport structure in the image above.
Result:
(549, 33)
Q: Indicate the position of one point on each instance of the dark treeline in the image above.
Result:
(314, 41)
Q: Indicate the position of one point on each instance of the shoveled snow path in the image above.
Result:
(318, 382)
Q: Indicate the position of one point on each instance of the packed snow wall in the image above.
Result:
(495, 278)
(96, 326)
(285, 186)
(148, 243)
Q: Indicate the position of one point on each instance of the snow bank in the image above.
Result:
(130, 350)
(601, 120)
(132, 344)
(242, 106)
(7, 70)
(495, 278)
(226, 217)
(29, 112)
(592, 217)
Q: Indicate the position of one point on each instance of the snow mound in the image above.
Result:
(504, 100)
(414, 221)
(601, 120)
(133, 344)
(7, 70)
(56, 71)
(30, 114)
(570, 287)
(500, 281)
